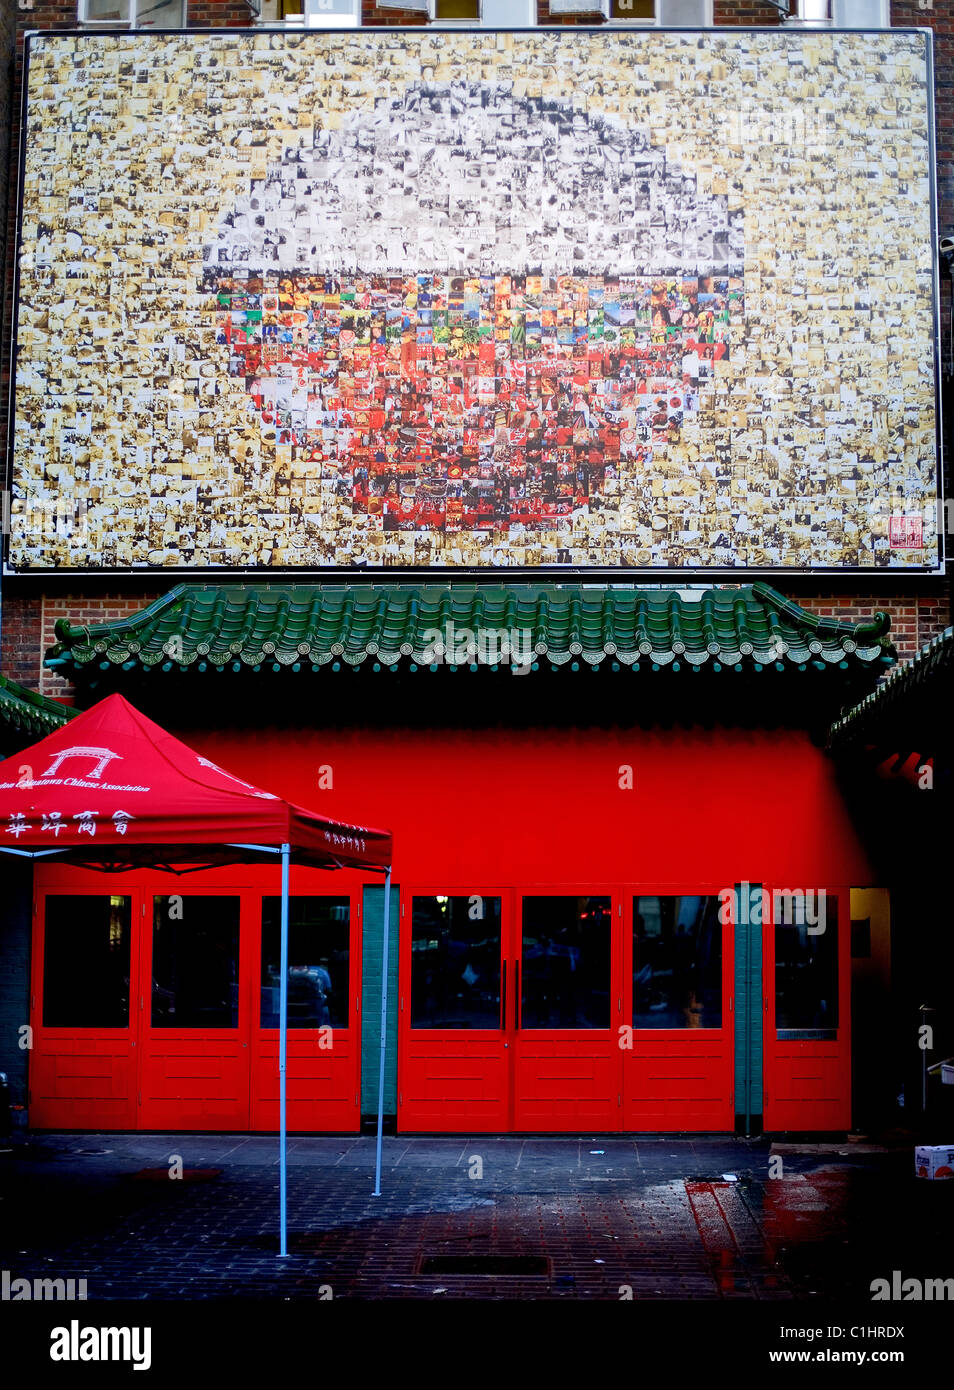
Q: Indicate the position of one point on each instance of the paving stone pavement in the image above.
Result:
(647, 1217)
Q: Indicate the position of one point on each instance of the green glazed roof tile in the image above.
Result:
(309, 627)
(25, 712)
(912, 701)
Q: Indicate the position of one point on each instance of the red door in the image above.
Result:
(566, 964)
(83, 1062)
(324, 1014)
(455, 1048)
(508, 1016)
(194, 1014)
(678, 1061)
(159, 1010)
(807, 1082)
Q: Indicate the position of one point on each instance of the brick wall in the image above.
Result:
(98, 608)
(219, 14)
(744, 12)
(29, 623)
(915, 618)
(21, 650)
(940, 20)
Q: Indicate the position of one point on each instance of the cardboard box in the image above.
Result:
(934, 1161)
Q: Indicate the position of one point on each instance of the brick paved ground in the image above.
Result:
(657, 1215)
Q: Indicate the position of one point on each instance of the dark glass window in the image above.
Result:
(633, 9)
(457, 9)
(86, 961)
(195, 961)
(319, 954)
(806, 964)
(565, 975)
(677, 962)
(455, 962)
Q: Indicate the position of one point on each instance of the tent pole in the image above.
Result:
(384, 1029)
(282, 1056)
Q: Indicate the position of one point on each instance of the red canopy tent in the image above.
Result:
(112, 790)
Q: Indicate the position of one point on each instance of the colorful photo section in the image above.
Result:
(475, 403)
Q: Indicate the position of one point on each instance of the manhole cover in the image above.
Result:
(519, 1266)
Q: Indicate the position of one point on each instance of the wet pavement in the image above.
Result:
(593, 1218)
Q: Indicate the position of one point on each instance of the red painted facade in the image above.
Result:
(510, 805)
(503, 812)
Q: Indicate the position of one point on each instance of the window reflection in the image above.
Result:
(86, 961)
(195, 953)
(455, 962)
(677, 962)
(806, 964)
(319, 954)
(566, 963)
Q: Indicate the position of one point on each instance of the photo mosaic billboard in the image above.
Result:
(615, 301)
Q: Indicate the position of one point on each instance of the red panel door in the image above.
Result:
(324, 1014)
(83, 1062)
(454, 1056)
(807, 1046)
(566, 967)
(194, 1014)
(678, 1062)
